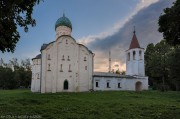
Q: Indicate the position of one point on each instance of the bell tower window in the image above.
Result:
(134, 55)
(140, 55)
(128, 56)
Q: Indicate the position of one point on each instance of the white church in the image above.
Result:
(67, 66)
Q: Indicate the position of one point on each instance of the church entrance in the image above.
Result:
(65, 85)
(138, 86)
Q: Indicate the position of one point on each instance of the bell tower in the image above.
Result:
(135, 58)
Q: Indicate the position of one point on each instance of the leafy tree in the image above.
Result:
(16, 78)
(148, 56)
(14, 13)
(169, 24)
(156, 58)
(174, 66)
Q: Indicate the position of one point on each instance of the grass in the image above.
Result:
(90, 105)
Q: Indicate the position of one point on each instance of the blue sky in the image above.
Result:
(96, 23)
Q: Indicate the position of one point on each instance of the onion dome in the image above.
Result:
(63, 21)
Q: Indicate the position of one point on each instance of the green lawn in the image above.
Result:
(90, 105)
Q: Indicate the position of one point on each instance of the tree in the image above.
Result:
(156, 62)
(14, 13)
(174, 66)
(148, 55)
(169, 24)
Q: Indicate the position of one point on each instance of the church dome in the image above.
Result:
(63, 21)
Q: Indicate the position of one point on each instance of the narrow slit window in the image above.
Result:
(49, 67)
(63, 57)
(85, 67)
(66, 42)
(128, 57)
(49, 58)
(68, 58)
(38, 77)
(85, 59)
(61, 70)
(70, 68)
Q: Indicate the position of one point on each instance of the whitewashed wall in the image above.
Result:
(125, 83)
(135, 67)
(36, 76)
(69, 55)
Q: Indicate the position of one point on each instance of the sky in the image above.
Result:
(101, 25)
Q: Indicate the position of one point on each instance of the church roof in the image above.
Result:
(63, 21)
(134, 42)
(37, 57)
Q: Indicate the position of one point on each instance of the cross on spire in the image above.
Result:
(134, 30)
(63, 13)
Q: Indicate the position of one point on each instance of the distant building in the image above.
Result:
(66, 66)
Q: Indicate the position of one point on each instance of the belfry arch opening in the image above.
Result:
(66, 85)
(140, 55)
(134, 55)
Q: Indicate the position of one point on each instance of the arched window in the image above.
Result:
(134, 55)
(65, 85)
(140, 55)
(128, 56)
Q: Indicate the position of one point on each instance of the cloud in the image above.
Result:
(142, 4)
(145, 18)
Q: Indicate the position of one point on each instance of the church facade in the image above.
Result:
(64, 65)
(67, 66)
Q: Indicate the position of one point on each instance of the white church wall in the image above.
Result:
(85, 67)
(35, 82)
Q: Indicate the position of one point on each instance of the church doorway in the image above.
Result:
(65, 85)
(138, 86)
